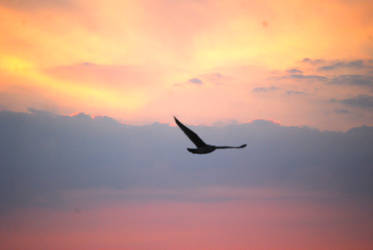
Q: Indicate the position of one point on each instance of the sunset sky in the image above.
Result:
(91, 159)
(294, 62)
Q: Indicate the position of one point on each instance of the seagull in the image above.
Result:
(202, 147)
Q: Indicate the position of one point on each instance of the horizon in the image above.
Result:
(219, 124)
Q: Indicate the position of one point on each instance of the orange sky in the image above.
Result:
(206, 61)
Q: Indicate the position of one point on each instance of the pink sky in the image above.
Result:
(254, 219)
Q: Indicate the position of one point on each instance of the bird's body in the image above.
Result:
(202, 147)
(202, 150)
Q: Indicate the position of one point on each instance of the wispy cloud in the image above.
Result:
(313, 61)
(342, 111)
(264, 89)
(294, 71)
(357, 80)
(295, 92)
(303, 77)
(308, 77)
(361, 101)
(355, 64)
(196, 81)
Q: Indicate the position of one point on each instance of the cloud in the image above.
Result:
(307, 77)
(294, 71)
(313, 61)
(330, 65)
(357, 80)
(294, 92)
(300, 76)
(342, 111)
(355, 64)
(361, 101)
(43, 155)
(265, 89)
(195, 81)
(365, 78)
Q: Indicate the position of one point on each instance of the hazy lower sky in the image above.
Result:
(294, 62)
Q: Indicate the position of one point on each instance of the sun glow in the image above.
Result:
(67, 91)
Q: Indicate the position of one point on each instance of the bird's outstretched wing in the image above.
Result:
(191, 135)
(222, 147)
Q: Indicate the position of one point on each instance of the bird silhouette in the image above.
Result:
(202, 147)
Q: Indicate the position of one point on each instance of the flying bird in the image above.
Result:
(202, 147)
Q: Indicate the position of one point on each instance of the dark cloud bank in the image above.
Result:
(42, 155)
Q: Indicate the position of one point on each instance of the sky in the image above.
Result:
(90, 157)
(296, 62)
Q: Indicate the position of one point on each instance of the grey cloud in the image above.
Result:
(307, 77)
(361, 101)
(43, 154)
(358, 80)
(294, 71)
(342, 111)
(313, 61)
(294, 92)
(302, 77)
(88, 64)
(195, 81)
(363, 79)
(264, 89)
(356, 64)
